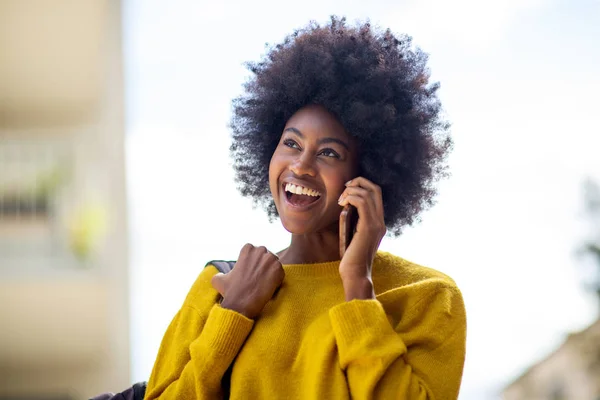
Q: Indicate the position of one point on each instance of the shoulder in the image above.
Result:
(414, 295)
(392, 271)
(402, 282)
(202, 291)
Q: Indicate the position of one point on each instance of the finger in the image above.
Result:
(218, 282)
(366, 211)
(369, 197)
(263, 249)
(274, 255)
(246, 249)
(364, 183)
(278, 275)
(371, 187)
(369, 220)
(357, 191)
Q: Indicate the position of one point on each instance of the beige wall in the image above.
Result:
(572, 372)
(51, 64)
(64, 317)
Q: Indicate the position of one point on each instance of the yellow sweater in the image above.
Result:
(309, 343)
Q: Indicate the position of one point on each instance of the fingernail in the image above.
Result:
(347, 183)
(340, 199)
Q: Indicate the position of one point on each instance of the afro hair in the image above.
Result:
(378, 87)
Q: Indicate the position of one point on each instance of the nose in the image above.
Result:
(303, 165)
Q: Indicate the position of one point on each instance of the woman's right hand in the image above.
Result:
(251, 283)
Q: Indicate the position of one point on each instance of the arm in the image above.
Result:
(198, 347)
(388, 353)
(394, 350)
(205, 337)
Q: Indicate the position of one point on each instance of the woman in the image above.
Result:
(335, 115)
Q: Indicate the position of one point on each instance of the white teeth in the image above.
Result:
(290, 187)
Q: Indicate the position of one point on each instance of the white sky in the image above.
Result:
(520, 85)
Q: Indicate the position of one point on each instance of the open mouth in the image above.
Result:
(299, 196)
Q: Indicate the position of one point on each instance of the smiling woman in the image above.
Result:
(334, 116)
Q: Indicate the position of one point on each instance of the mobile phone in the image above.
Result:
(348, 220)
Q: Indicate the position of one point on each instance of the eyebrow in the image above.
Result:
(321, 141)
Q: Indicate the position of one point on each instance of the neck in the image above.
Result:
(312, 248)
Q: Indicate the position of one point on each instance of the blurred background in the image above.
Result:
(64, 261)
(116, 185)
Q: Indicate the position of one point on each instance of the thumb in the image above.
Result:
(219, 283)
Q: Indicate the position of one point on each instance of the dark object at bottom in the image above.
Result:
(136, 392)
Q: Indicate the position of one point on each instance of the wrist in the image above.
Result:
(238, 308)
(358, 289)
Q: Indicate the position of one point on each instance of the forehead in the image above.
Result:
(316, 121)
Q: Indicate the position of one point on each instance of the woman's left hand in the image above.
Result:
(357, 263)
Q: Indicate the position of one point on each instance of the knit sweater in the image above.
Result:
(309, 343)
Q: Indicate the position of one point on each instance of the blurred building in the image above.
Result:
(572, 372)
(64, 330)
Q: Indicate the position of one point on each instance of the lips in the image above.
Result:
(300, 196)
(296, 186)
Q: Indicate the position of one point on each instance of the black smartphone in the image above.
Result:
(348, 221)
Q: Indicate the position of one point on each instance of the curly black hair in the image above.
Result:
(376, 84)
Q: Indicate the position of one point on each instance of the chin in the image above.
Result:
(305, 227)
(296, 227)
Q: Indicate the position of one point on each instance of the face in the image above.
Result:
(315, 157)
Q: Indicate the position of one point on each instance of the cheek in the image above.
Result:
(274, 172)
(337, 180)
(335, 188)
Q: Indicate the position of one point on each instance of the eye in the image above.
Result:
(291, 143)
(329, 153)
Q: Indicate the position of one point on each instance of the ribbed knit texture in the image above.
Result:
(309, 343)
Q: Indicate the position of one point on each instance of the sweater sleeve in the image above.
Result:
(198, 347)
(389, 353)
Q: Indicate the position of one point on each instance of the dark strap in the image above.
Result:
(139, 391)
(136, 392)
(223, 266)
